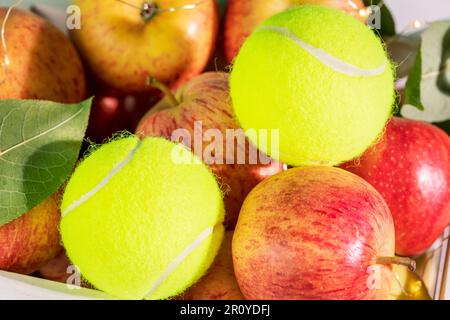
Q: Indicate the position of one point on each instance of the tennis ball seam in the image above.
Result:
(190, 248)
(180, 258)
(324, 57)
(324, 112)
(85, 197)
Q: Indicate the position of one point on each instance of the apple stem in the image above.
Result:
(404, 261)
(148, 11)
(164, 89)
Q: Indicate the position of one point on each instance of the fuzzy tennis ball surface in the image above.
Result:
(321, 78)
(140, 223)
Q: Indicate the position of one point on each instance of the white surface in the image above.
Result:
(406, 11)
(19, 287)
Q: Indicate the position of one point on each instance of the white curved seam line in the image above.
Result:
(176, 262)
(42, 133)
(3, 39)
(326, 58)
(105, 180)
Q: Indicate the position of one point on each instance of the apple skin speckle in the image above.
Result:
(410, 167)
(313, 233)
(44, 64)
(172, 47)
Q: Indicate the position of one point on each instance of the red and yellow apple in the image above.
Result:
(243, 16)
(56, 269)
(206, 99)
(315, 233)
(410, 167)
(30, 241)
(125, 42)
(43, 63)
(220, 282)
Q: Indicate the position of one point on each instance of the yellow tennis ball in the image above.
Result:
(142, 219)
(318, 76)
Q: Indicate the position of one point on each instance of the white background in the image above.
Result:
(406, 11)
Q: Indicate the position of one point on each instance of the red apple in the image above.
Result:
(125, 43)
(112, 112)
(220, 282)
(243, 16)
(410, 167)
(29, 242)
(61, 270)
(43, 63)
(56, 269)
(314, 233)
(206, 99)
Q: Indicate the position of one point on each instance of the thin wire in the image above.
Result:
(129, 4)
(443, 69)
(412, 26)
(434, 251)
(172, 9)
(6, 60)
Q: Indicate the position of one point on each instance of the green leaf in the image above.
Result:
(387, 20)
(428, 95)
(412, 89)
(39, 145)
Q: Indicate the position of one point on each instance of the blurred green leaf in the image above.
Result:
(39, 145)
(412, 89)
(428, 86)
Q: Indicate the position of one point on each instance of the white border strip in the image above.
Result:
(327, 59)
(105, 180)
(14, 286)
(172, 266)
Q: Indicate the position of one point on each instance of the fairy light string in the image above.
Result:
(151, 8)
(6, 61)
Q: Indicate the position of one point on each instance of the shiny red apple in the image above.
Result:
(203, 105)
(314, 233)
(410, 167)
